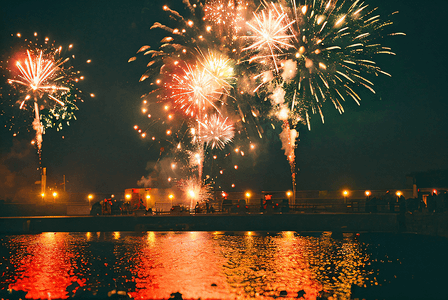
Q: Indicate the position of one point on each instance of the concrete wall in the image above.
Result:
(277, 222)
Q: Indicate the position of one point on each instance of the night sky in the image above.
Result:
(401, 130)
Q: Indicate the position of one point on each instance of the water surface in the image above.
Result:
(224, 265)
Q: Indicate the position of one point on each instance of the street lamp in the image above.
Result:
(345, 193)
(289, 193)
(398, 193)
(128, 196)
(90, 197)
(42, 195)
(147, 199)
(171, 196)
(54, 196)
(248, 196)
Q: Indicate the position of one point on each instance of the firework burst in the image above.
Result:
(195, 190)
(330, 55)
(270, 33)
(293, 55)
(45, 85)
(193, 91)
(217, 132)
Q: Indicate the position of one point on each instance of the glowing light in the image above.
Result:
(398, 193)
(90, 197)
(368, 193)
(128, 196)
(345, 193)
(288, 193)
(236, 167)
(194, 190)
(247, 194)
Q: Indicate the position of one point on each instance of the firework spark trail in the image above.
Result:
(288, 137)
(37, 126)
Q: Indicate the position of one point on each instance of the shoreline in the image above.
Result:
(419, 223)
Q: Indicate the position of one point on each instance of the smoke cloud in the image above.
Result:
(18, 173)
(289, 70)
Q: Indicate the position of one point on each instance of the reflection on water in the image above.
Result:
(196, 264)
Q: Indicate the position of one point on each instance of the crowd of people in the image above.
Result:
(431, 203)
